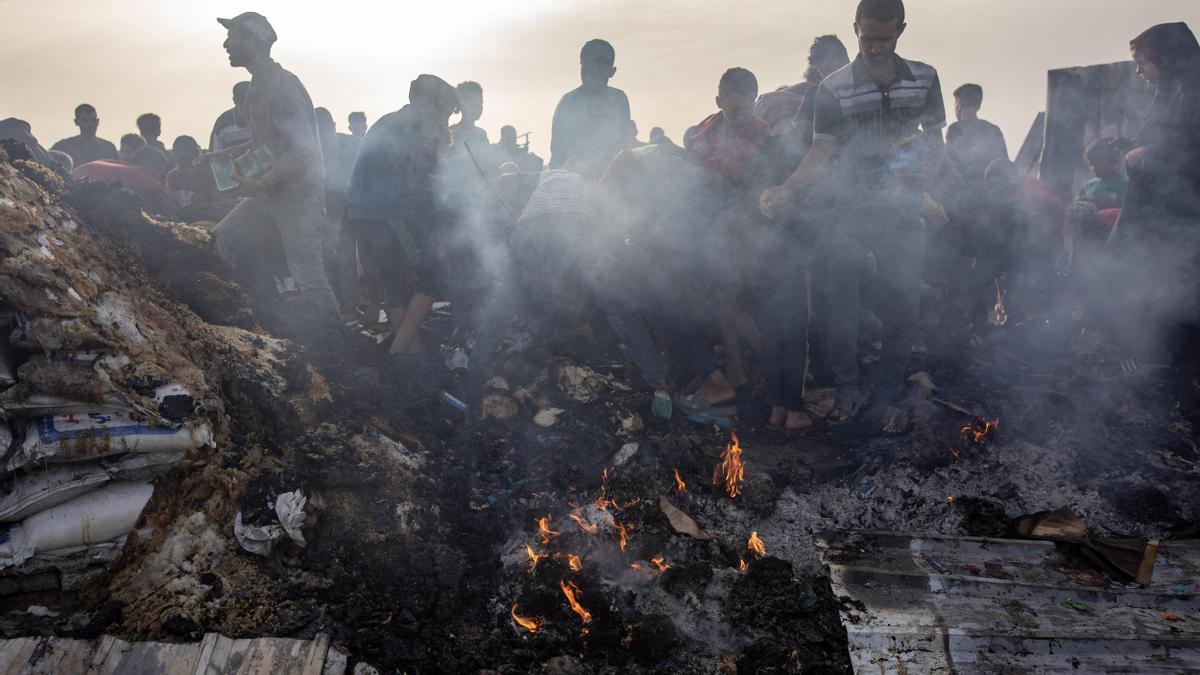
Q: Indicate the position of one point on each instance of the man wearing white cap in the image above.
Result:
(286, 197)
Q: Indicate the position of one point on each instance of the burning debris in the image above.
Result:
(730, 473)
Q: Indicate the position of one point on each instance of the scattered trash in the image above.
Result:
(866, 490)
(547, 417)
(1167, 616)
(289, 510)
(458, 360)
(626, 453)
(631, 423)
(973, 569)
(938, 566)
(709, 418)
(1130, 558)
(680, 521)
(580, 383)
(42, 610)
(1078, 606)
(499, 407)
(498, 383)
(454, 402)
(923, 380)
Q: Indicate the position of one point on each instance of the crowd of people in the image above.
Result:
(789, 232)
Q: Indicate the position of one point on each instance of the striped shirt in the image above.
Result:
(868, 121)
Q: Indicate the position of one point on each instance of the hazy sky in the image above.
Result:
(127, 57)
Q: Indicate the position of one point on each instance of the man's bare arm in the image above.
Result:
(810, 167)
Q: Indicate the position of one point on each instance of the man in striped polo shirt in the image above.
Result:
(877, 145)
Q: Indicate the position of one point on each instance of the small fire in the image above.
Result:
(574, 562)
(544, 530)
(636, 565)
(979, 429)
(742, 566)
(584, 525)
(680, 486)
(573, 594)
(731, 472)
(622, 533)
(756, 545)
(955, 452)
(658, 562)
(532, 625)
(533, 557)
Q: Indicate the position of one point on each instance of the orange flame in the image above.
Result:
(636, 565)
(658, 562)
(731, 472)
(531, 625)
(572, 592)
(574, 562)
(979, 429)
(544, 530)
(533, 557)
(756, 545)
(742, 566)
(583, 525)
(680, 486)
(621, 532)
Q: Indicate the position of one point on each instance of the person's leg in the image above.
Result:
(243, 238)
(635, 339)
(407, 340)
(795, 363)
(837, 279)
(897, 296)
(298, 218)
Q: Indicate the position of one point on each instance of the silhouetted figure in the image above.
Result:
(286, 201)
(858, 127)
(591, 123)
(357, 122)
(232, 126)
(340, 152)
(87, 146)
(972, 144)
(780, 107)
(508, 150)
(130, 144)
(150, 127)
(392, 209)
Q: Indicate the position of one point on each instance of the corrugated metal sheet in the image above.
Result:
(214, 654)
(930, 604)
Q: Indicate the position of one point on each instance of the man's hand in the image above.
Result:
(247, 185)
(773, 198)
(1135, 159)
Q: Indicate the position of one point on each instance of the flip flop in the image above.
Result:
(847, 405)
(695, 404)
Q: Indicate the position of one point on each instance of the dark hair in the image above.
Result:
(84, 108)
(152, 160)
(739, 81)
(468, 87)
(185, 144)
(970, 94)
(240, 90)
(882, 11)
(598, 50)
(133, 140)
(358, 115)
(323, 116)
(1102, 149)
(828, 47)
(148, 119)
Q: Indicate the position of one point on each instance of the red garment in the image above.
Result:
(726, 153)
(132, 177)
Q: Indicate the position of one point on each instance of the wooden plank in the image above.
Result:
(158, 658)
(922, 617)
(314, 662)
(61, 655)
(15, 654)
(109, 656)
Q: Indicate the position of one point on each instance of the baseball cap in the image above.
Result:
(255, 23)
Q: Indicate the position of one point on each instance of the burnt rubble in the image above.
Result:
(439, 542)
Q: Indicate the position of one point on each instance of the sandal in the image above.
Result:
(695, 404)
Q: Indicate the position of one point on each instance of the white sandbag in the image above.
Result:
(29, 493)
(98, 516)
(79, 437)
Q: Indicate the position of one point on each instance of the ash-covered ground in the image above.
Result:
(424, 551)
